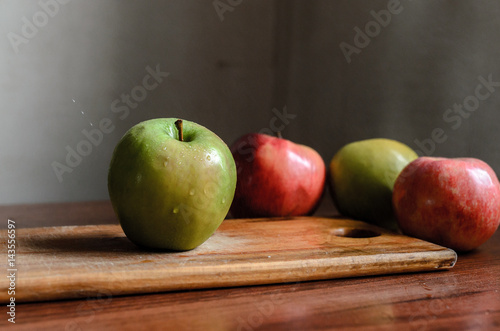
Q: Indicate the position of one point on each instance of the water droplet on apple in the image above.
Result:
(223, 200)
(165, 164)
(209, 157)
(175, 210)
(191, 191)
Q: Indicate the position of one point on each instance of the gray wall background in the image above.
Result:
(64, 64)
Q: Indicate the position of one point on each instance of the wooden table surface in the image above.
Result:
(466, 297)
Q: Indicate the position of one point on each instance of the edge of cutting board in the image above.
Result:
(98, 260)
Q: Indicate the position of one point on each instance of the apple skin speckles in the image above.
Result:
(451, 202)
(276, 177)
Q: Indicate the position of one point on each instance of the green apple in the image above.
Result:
(362, 176)
(171, 183)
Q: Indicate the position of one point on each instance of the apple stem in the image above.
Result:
(178, 125)
(278, 134)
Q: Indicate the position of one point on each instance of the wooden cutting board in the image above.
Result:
(95, 261)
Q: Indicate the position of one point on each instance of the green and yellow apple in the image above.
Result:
(362, 176)
(171, 183)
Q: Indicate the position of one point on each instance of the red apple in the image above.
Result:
(276, 177)
(451, 202)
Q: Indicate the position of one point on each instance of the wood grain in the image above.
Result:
(81, 261)
(58, 214)
(466, 297)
